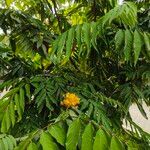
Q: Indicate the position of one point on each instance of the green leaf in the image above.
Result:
(140, 107)
(2, 136)
(32, 146)
(1, 145)
(137, 45)
(109, 17)
(114, 13)
(27, 88)
(61, 44)
(86, 32)
(90, 109)
(4, 125)
(12, 140)
(9, 143)
(87, 138)
(1, 38)
(17, 103)
(59, 133)
(6, 122)
(47, 142)
(11, 92)
(22, 103)
(147, 43)
(131, 13)
(8, 2)
(25, 143)
(116, 144)
(101, 140)
(128, 14)
(78, 35)
(5, 144)
(132, 146)
(38, 89)
(94, 35)
(73, 135)
(41, 97)
(128, 45)
(69, 42)
(119, 39)
(12, 113)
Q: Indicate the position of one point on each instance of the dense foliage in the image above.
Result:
(71, 70)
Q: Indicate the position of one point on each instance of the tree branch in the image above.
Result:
(57, 16)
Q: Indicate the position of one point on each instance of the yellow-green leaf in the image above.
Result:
(47, 142)
(87, 138)
(12, 113)
(8, 2)
(116, 144)
(73, 135)
(101, 140)
(32, 146)
(59, 133)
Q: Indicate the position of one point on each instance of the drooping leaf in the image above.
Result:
(32, 146)
(6, 122)
(1, 144)
(9, 143)
(128, 14)
(22, 100)
(78, 35)
(73, 135)
(11, 92)
(8, 119)
(141, 109)
(17, 103)
(87, 138)
(69, 42)
(13, 140)
(25, 143)
(86, 33)
(47, 142)
(12, 113)
(137, 45)
(61, 44)
(28, 93)
(94, 32)
(147, 43)
(101, 140)
(41, 98)
(5, 143)
(59, 133)
(119, 39)
(116, 144)
(128, 44)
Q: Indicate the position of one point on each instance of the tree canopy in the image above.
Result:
(72, 69)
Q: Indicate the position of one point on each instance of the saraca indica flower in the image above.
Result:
(70, 100)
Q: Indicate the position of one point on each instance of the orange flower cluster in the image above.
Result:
(70, 100)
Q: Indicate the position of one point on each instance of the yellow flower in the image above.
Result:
(70, 100)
